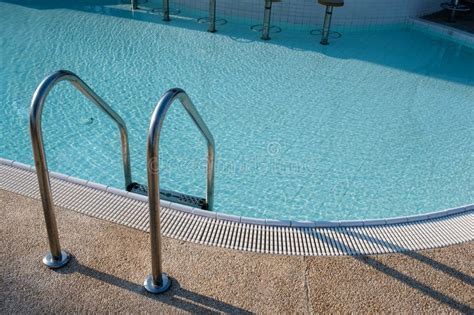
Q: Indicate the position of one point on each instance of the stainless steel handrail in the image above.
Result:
(158, 281)
(57, 258)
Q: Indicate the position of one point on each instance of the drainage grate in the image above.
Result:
(118, 206)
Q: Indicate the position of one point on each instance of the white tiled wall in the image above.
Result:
(449, 32)
(306, 12)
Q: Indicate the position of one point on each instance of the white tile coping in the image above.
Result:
(241, 219)
(441, 29)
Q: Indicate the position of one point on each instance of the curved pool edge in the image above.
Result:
(441, 30)
(250, 220)
(207, 228)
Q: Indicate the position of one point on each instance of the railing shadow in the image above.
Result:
(415, 284)
(416, 255)
(398, 275)
(177, 296)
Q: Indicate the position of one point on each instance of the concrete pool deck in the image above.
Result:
(111, 261)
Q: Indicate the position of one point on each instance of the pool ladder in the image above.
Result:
(157, 281)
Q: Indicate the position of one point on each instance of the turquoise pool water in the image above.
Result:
(378, 124)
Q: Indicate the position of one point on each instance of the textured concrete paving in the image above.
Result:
(111, 261)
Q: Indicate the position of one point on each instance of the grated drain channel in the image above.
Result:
(218, 229)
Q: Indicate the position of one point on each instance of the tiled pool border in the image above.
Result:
(213, 229)
(247, 234)
(249, 220)
(444, 31)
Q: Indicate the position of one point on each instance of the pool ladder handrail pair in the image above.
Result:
(157, 281)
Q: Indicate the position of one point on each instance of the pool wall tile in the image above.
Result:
(59, 175)
(303, 224)
(204, 213)
(253, 220)
(373, 222)
(228, 217)
(396, 220)
(272, 222)
(6, 161)
(469, 207)
(299, 14)
(443, 30)
(22, 165)
(180, 207)
(417, 217)
(326, 223)
(351, 223)
(434, 215)
(117, 191)
(76, 180)
(96, 186)
(138, 197)
(164, 203)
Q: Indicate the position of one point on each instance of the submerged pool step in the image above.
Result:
(172, 196)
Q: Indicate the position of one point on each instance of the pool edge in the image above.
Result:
(210, 229)
(250, 220)
(441, 30)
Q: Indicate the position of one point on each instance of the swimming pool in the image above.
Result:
(378, 124)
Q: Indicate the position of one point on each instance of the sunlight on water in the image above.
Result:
(377, 124)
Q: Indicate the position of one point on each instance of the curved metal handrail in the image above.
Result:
(57, 258)
(157, 281)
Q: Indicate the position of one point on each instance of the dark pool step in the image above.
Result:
(171, 196)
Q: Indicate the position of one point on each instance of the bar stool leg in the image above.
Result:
(212, 16)
(452, 18)
(326, 26)
(266, 20)
(166, 10)
(134, 4)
